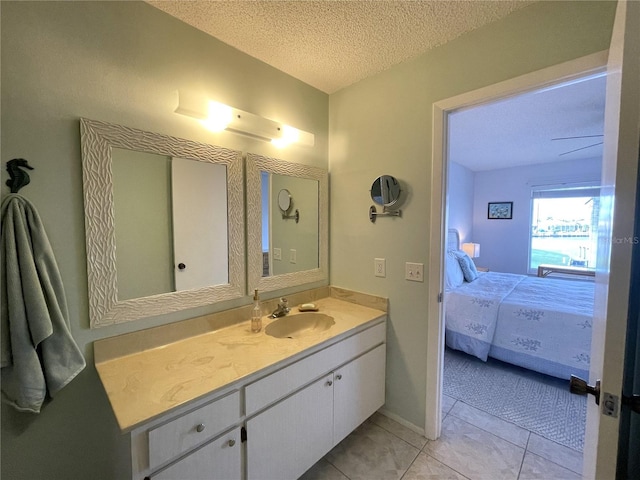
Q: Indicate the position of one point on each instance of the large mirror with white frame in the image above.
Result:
(164, 220)
(288, 246)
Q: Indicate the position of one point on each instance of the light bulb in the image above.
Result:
(289, 135)
(220, 116)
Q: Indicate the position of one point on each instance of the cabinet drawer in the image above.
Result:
(218, 460)
(283, 382)
(185, 432)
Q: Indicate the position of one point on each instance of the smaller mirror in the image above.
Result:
(385, 190)
(300, 249)
(284, 200)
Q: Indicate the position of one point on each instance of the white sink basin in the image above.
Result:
(295, 326)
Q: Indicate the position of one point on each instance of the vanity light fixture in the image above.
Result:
(217, 117)
(471, 249)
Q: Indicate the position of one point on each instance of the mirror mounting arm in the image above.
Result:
(373, 213)
(295, 215)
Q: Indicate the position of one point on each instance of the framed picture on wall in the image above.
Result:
(500, 211)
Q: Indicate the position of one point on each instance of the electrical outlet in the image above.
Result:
(292, 256)
(379, 267)
(277, 254)
(414, 272)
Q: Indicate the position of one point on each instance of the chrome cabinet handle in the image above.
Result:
(200, 427)
(339, 376)
(329, 383)
(231, 442)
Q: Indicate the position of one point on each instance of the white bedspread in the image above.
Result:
(543, 324)
(472, 312)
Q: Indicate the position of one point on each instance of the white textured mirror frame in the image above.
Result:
(255, 165)
(97, 139)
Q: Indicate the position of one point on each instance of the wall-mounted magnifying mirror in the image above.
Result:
(284, 204)
(164, 223)
(385, 191)
(284, 200)
(281, 253)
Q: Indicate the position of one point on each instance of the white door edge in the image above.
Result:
(615, 236)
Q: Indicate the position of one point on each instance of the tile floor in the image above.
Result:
(473, 445)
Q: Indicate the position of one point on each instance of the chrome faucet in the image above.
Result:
(282, 310)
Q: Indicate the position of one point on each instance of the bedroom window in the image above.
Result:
(564, 225)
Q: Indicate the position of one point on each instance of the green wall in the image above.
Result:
(119, 62)
(382, 125)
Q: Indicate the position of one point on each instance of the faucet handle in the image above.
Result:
(284, 305)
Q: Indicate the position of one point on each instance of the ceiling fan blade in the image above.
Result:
(581, 136)
(582, 148)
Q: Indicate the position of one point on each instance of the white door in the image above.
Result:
(200, 244)
(615, 232)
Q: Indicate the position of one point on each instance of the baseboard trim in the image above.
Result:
(401, 421)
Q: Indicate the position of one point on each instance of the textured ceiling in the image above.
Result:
(332, 44)
(519, 131)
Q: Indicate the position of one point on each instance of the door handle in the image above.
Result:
(580, 387)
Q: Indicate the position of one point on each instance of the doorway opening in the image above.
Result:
(517, 337)
(501, 248)
(619, 179)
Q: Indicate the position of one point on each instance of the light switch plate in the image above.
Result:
(293, 256)
(277, 254)
(379, 267)
(414, 272)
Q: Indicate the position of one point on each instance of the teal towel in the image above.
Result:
(38, 356)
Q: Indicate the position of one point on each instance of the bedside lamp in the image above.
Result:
(471, 249)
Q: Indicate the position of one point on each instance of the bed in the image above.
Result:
(542, 324)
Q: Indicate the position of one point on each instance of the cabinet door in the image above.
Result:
(218, 460)
(288, 438)
(358, 391)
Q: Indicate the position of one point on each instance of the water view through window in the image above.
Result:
(563, 231)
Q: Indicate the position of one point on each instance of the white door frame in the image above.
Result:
(557, 74)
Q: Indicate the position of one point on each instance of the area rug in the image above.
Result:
(537, 402)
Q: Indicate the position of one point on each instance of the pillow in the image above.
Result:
(453, 276)
(467, 266)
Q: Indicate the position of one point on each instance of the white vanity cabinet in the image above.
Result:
(287, 438)
(273, 425)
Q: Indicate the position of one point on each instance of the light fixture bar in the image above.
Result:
(218, 117)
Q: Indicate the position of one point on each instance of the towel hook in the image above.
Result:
(18, 177)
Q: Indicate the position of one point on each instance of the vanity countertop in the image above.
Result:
(143, 385)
